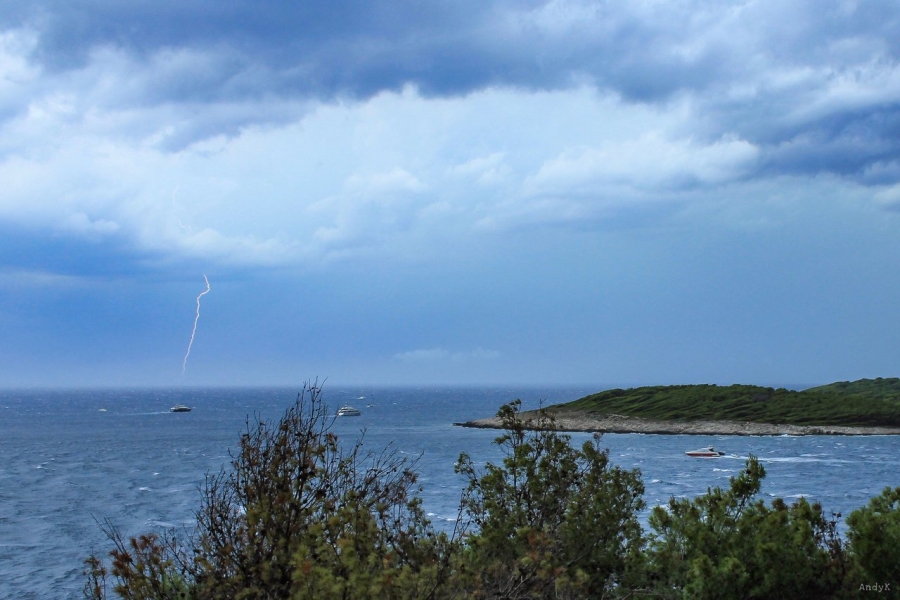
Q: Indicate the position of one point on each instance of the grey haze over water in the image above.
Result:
(65, 463)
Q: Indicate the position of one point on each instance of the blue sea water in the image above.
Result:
(69, 459)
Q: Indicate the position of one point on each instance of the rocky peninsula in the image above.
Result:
(863, 407)
(612, 423)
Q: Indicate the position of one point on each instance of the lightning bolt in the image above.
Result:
(194, 331)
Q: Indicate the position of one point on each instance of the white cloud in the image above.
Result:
(17, 75)
(484, 170)
(80, 223)
(588, 183)
(433, 355)
(28, 278)
(482, 354)
(423, 355)
(265, 179)
(889, 197)
(649, 163)
(395, 181)
(389, 177)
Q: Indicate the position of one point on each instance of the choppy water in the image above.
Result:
(65, 463)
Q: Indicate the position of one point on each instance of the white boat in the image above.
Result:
(180, 408)
(348, 411)
(708, 452)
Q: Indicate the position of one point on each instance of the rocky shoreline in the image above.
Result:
(586, 422)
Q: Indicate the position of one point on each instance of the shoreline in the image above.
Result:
(592, 423)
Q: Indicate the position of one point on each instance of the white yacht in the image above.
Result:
(348, 411)
(708, 452)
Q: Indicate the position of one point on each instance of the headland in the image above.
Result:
(863, 407)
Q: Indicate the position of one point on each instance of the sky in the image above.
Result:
(467, 192)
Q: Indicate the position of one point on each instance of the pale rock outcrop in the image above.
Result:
(611, 423)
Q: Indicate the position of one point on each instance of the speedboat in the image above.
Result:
(180, 408)
(708, 452)
(348, 411)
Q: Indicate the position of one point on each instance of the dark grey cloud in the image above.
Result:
(35, 250)
(750, 68)
(318, 48)
(360, 48)
(855, 144)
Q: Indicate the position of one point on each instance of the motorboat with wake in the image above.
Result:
(708, 452)
(180, 408)
(348, 411)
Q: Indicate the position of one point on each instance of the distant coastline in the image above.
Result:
(612, 423)
(862, 407)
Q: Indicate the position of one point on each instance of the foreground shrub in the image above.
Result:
(296, 516)
(874, 534)
(726, 545)
(552, 521)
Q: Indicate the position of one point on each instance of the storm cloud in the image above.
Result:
(477, 142)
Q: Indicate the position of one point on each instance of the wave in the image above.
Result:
(806, 459)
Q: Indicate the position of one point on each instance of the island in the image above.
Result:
(862, 407)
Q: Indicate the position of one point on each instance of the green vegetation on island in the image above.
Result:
(863, 403)
(300, 516)
(880, 388)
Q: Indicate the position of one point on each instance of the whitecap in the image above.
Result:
(165, 524)
(806, 459)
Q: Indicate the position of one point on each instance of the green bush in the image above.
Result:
(726, 545)
(298, 516)
(552, 521)
(874, 535)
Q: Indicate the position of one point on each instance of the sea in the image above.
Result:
(71, 460)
